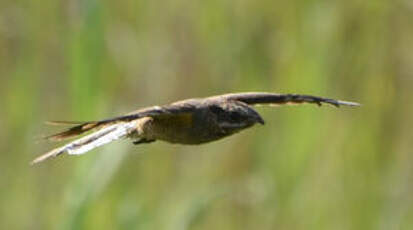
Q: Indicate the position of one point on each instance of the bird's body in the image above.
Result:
(191, 121)
(198, 121)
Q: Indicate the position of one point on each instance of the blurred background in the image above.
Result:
(309, 167)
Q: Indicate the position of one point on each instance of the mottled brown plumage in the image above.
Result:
(192, 121)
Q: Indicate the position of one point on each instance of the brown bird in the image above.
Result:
(191, 121)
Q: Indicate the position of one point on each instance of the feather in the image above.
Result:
(279, 99)
(74, 131)
(103, 136)
(58, 123)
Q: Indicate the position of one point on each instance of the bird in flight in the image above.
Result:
(191, 121)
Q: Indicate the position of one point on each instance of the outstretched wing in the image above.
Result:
(279, 99)
(84, 127)
(155, 111)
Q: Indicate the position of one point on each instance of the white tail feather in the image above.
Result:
(101, 137)
(93, 140)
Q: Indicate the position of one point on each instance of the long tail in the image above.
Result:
(98, 138)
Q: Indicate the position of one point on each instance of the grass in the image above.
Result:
(307, 168)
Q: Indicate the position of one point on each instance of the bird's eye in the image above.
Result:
(234, 116)
(217, 110)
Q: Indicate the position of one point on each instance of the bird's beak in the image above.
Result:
(259, 119)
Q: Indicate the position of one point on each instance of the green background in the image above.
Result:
(309, 167)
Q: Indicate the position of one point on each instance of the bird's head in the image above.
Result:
(233, 116)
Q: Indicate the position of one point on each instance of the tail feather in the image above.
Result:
(53, 153)
(91, 141)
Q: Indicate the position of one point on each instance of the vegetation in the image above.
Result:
(307, 168)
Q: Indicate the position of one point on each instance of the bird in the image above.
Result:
(190, 122)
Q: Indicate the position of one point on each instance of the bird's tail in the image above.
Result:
(107, 134)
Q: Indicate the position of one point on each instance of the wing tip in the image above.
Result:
(59, 123)
(76, 130)
(348, 103)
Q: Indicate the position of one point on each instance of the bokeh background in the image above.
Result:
(309, 167)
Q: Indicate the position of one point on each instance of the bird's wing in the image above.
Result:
(155, 111)
(83, 127)
(279, 99)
